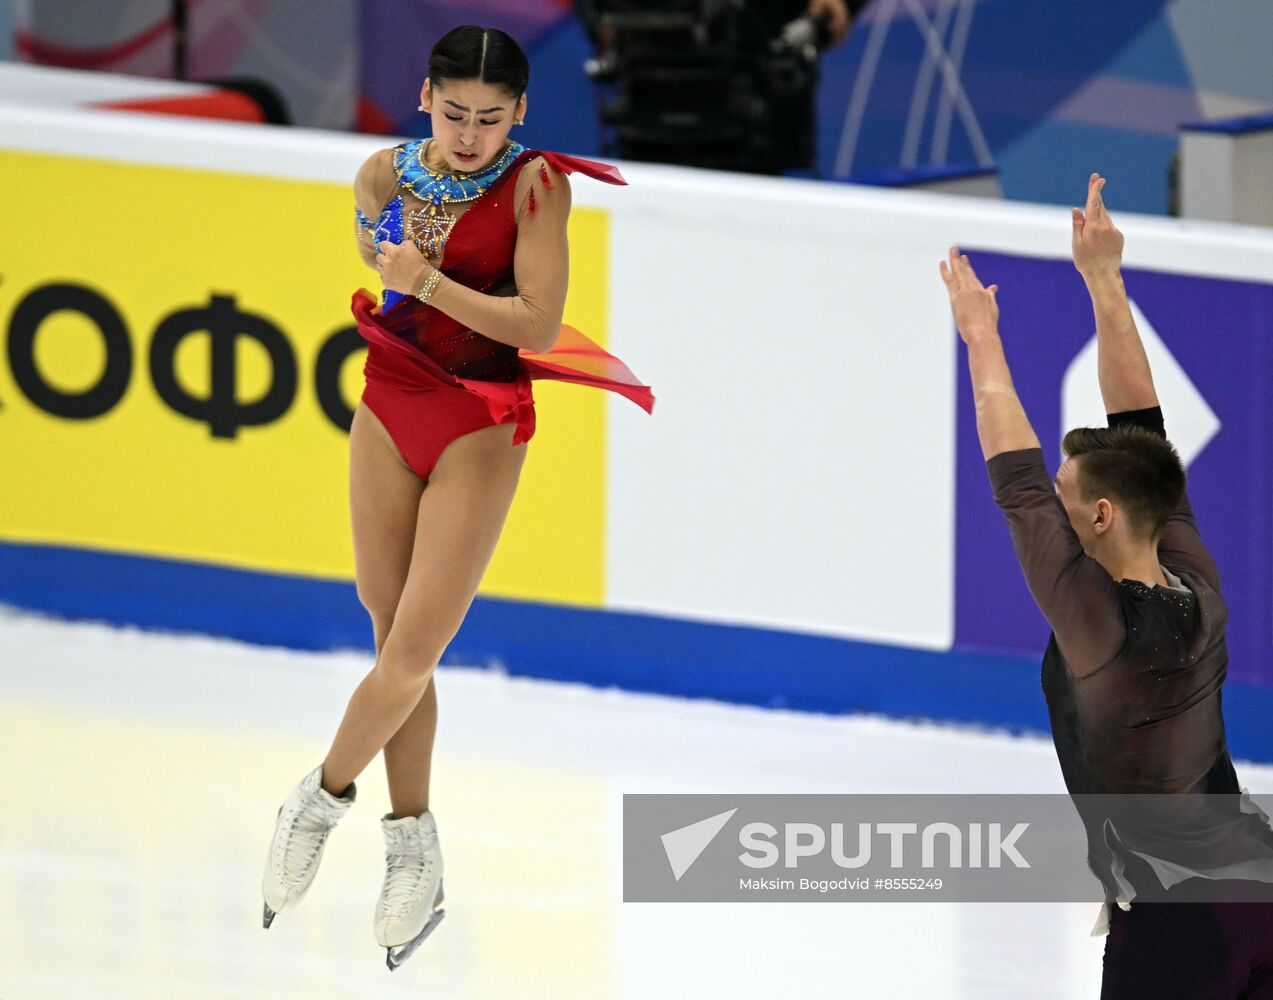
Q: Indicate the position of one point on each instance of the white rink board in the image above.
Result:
(799, 472)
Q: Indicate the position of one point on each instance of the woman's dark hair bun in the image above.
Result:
(487, 54)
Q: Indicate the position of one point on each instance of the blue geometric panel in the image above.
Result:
(1153, 54)
(1019, 62)
(1052, 162)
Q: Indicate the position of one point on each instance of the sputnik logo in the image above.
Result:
(684, 846)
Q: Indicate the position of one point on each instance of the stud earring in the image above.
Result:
(419, 107)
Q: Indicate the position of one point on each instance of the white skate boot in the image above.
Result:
(300, 834)
(409, 899)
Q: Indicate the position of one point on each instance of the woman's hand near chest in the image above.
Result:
(402, 266)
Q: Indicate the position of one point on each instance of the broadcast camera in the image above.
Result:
(706, 83)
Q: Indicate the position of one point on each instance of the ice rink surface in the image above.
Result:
(142, 772)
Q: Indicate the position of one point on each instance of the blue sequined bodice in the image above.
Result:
(388, 226)
(437, 186)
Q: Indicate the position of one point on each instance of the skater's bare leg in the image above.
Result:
(409, 757)
(458, 523)
(384, 501)
(384, 497)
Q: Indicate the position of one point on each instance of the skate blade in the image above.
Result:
(269, 915)
(400, 953)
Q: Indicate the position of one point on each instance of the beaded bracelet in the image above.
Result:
(430, 285)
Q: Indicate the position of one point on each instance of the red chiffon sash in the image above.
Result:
(589, 168)
(575, 358)
(396, 363)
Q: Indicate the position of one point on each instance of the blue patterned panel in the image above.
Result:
(387, 228)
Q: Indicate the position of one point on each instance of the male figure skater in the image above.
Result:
(1137, 657)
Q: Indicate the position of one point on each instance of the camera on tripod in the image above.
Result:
(705, 83)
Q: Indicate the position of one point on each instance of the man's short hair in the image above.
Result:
(1137, 468)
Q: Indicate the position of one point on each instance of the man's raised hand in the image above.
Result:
(1097, 243)
(974, 307)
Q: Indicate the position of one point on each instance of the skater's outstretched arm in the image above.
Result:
(1074, 592)
(1002, 424)
(1123, 367)
(1127, 385)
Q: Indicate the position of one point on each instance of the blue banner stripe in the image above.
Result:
(635, 652)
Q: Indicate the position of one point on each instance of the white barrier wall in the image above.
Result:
(25, 84)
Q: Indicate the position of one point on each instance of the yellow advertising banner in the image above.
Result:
(181, 364)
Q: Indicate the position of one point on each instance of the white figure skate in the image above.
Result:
(412, 892)
(300, 834)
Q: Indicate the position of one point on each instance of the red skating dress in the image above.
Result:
(430, 379)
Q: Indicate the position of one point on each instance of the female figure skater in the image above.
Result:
(468, 232)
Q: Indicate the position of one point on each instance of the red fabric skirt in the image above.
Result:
(424, 407)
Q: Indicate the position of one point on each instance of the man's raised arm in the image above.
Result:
(1001, 421)
(1075, 594)
(1123, 367)
(1126, 382)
